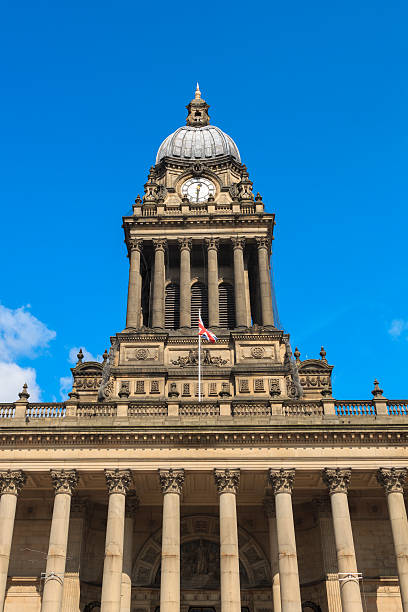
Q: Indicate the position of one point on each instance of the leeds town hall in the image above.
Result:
(255, 490)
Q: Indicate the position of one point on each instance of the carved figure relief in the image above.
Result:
(192, 359)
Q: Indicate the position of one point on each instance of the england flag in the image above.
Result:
(205, 333)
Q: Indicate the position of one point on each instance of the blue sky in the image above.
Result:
(314, 94)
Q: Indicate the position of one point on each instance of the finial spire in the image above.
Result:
(198, 111)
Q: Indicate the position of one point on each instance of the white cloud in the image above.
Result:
(21, 334)
(87, 355)
(65, 386)
(398, 327)
(12, 379)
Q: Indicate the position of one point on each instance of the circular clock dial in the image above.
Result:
(198, 189)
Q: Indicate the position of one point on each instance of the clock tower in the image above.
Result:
(199, 240)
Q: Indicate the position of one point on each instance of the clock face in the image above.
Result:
(198, 189)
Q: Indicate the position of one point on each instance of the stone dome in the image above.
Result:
(193, 143)
(198, 139)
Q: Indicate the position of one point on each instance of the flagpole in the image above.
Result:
(199, 359)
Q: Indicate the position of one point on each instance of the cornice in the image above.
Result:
(168, 434)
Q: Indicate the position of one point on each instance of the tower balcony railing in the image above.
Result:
(64, 413)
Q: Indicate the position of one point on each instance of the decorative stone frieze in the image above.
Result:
(281, 480)
(171, 480)
(12, 481)
(64, 481)
(392, 479)
(118, 481)
(227, 481)
(337, 479)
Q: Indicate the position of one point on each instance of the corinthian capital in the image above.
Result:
(12, 481)
(212, 243)
(337, 479)
(238, 242)
(135, 244)
(118, 481)
(281, 480)
(185, 244)
(171, 481)
(64, 481)
(160, 244)
(227, 481)
(263, 242)
(392, 479)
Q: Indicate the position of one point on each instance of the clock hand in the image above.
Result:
(198, 190)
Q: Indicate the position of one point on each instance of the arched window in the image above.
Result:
(199, 301)
(226, 305)
(172, 309)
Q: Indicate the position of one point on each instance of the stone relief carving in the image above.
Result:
(171, 481)
(392, 479)
(118, 481)
(64, 481)
(141, 354)
(257, 352)
(281, 480)
(274, 387)
(88, 383)
(12, 481)
(192, 359)
(227, 481)
(337, 479)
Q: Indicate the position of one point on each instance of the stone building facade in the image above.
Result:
(260, 493)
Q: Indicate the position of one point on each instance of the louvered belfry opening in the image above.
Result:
(199, 301)
(226, 306)
(172, 307)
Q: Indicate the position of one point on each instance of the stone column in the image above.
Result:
(131, 507)
(72, 588)
(64, 482)
(158, 283)
(393, 480)
(265, 280)
(118, 483)
(11, 483)
(282, 484)
(134, 303)
(185, 282)
(337, 481)
(239, 282)
(213, 297)
(270, 511)
(227, 482)
(171, 482)
(329, 556)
